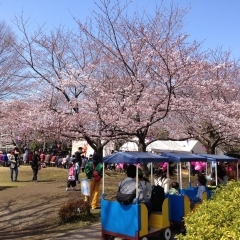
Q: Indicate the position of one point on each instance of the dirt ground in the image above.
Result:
(29, 210)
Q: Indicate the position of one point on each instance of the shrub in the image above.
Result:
(216, 219)
(73, 210)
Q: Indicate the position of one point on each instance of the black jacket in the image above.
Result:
(78, 157)
(35, 161)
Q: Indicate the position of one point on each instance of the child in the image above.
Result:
(146, 185)
(174, 189)
(201, 189)
(71, 177)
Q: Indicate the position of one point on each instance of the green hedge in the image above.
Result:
(216, 219)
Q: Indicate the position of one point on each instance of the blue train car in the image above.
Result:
(131, 221)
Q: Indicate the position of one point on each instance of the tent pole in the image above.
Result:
(237, 171)
(180, 171)
(177, 173)
(189, 174)
(167, 177)
(103, 178)
(137, 182)
(151, 173)
(216, 172)
(206, 168)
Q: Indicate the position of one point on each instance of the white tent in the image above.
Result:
(129, 147)
(164, 146)
(192, 145)
(167, 146)
(176, 146)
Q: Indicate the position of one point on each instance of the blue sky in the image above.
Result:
(216, 22)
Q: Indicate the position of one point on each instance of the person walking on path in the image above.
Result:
(93, 171)
(35, 165)
(78, 156)
(13, 166)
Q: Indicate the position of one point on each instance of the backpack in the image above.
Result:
(124, 198)
(157, 198)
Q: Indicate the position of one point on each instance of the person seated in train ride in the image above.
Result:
(222, 177)
(162, 180)
(174, 190)
(202, 181)
(128, 186)
(146, 185)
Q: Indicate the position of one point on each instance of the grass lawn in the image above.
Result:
(29, 210)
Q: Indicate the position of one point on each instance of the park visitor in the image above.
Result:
(25, 157)
(71, 182)
(146, 185)
(202, 181)
(13, 166)
(93, 171)
(128, 186)
(78, 156)
(162, 180)
(174, 190)
(4, 159)
(77, 170)
(35, 165)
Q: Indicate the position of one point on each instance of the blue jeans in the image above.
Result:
(193, 201)
(15, 169)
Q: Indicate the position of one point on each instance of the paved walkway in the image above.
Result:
(91, 232)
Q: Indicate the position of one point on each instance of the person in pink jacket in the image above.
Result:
(71, 177)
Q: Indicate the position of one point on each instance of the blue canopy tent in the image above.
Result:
(219, 158)
(183, 157)
(132, 158)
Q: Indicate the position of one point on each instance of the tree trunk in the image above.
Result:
(97, 146)
(142, 148)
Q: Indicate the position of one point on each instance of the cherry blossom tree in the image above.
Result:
(208, 108)
(113, 83)
(121, 77)
(10, 69)
(146, 60)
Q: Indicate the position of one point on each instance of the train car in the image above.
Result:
(179, 206)
(131, 221)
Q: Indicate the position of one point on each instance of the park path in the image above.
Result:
(93, 232)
